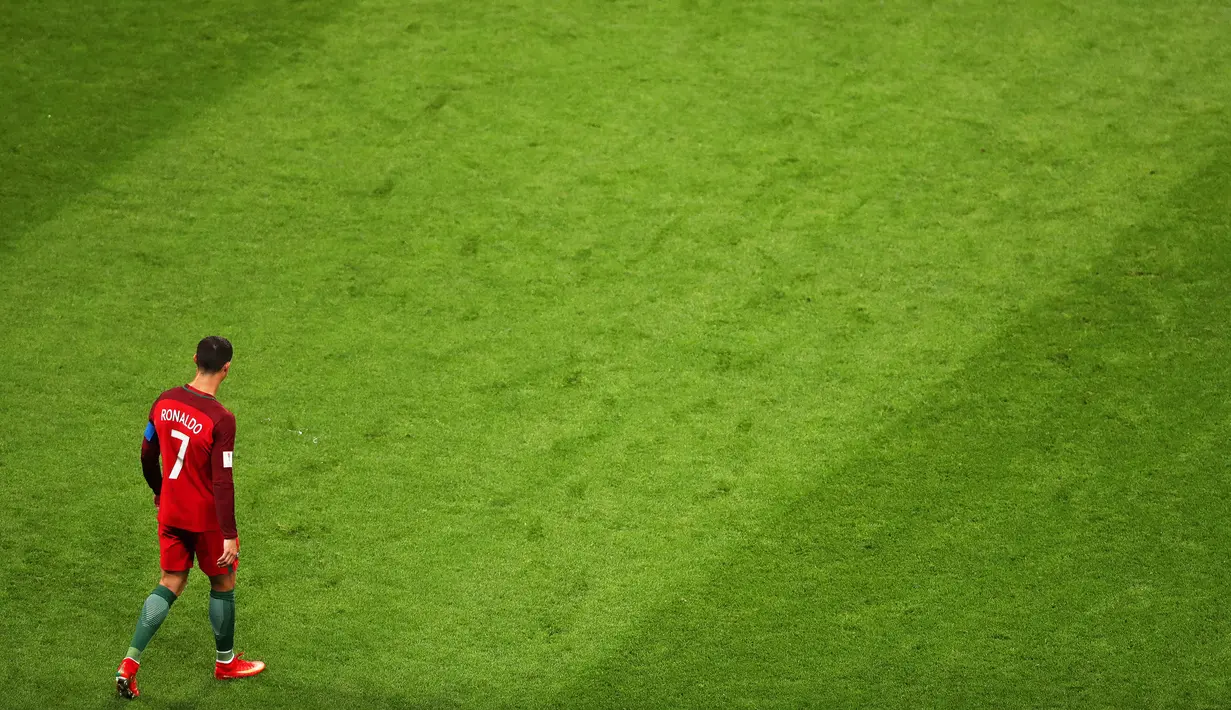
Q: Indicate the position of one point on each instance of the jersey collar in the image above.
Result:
(198, 392)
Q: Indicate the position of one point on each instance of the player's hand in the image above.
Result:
(156, 501)
(230, 552)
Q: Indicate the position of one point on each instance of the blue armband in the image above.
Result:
(149, 431)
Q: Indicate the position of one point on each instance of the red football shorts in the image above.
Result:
(177, 548)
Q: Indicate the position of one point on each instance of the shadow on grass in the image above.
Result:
(1049, 531)
(86, 84)
(269, 691)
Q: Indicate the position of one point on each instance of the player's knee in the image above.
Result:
(175, 581)
(222, 582)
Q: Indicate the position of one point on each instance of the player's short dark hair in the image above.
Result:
(213, 352)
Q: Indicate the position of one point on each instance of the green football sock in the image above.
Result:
(222, 618)
(155, 609)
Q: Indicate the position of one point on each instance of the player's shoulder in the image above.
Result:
(224, 420)
(172, 393)
(168, 394)
(216, 410)
(203, 403)
(224, 413)
(219, 413)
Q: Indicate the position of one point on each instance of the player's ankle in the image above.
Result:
(128, 667)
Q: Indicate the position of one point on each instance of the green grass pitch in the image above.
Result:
(628, 354)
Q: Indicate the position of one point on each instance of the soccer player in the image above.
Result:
(195, 497)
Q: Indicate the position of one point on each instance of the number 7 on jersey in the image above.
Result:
(179, 458)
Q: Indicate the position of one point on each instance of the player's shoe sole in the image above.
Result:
(238, 668)
(126, 687)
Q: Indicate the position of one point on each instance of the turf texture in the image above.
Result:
(616, 354)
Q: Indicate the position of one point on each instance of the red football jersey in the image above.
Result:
(195, 436)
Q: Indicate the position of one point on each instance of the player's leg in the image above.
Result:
(228, 663)
(176, 559)
(155, 609)
(222, 614)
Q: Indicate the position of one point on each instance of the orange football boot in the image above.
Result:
(126, 679)
(238, 668)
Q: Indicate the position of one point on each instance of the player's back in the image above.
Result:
(195, 435)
